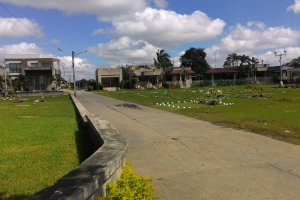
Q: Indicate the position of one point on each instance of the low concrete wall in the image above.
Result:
(105, 165)
(45, 93)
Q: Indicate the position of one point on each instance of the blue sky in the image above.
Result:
(119, 32)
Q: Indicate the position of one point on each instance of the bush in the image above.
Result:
(90, 88)
(100, 86)
(130, 186)
(126, 84)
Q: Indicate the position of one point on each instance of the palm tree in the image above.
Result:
(232, 60)
(162, 60)
(254, 61)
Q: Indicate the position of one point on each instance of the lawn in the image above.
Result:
(40, 142)
(275, 114)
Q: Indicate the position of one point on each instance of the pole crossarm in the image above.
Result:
(280, 58)
(73, 66)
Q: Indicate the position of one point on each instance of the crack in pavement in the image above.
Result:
(283, 170)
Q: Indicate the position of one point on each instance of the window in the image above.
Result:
(15, 68)
(47, 64)
(34, 65)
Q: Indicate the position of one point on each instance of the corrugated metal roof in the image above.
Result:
(220, 71)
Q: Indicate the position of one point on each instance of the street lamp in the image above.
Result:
(73, 66)
(5, 81)
(280, 57)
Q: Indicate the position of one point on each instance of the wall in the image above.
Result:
(105, 165)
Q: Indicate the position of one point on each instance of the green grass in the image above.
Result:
(40, 142)
(276, 114)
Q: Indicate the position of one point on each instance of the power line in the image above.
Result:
(25, 26)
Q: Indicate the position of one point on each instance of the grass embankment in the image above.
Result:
(275, 114)
(40, 142)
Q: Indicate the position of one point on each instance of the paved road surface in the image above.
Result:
(191, 159)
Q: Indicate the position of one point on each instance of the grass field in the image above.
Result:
(40, 142)
(275, 114)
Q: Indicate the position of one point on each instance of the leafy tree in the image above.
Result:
(195, 58)
(243, 63)
(253, 62)
(232, 60)
(125, 72)
(162, 60)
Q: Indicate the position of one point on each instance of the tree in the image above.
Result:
(253, 62)
(243, 63)
(232, 60)
(162, 60)
(195, 58)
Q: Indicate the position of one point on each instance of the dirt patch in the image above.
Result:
(129, 105)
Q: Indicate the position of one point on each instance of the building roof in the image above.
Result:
(294, 63)
(30, 57)
(145, 71)
(220, 71)
(179, 70)
(273, 69)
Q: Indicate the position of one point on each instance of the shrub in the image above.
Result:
(126, 84)
(130, 186)
(100, 86)
(90, 88)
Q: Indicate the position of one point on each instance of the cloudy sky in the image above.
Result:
(120, 32)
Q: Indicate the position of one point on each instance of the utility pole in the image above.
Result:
(73, 55)
(73, 66)
(5, 81)
(280, 57)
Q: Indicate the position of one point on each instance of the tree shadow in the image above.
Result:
(84, 144)
(5, 196)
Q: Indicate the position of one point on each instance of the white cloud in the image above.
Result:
(102, 8)
(161, 3)
(99, 31)
(250, 39)
(55, 41)
(295, 7)
(269, 57)
(19, 27)
(21, 48)
(126, 51)
(83, 68)
(132, 19)
(168, 28)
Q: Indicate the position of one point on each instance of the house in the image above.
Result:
(2, 78)
(109, 77)
(222, 74)
(292, 71)
(32, 72)
(179, 76)
(271, 74)
(146, 76)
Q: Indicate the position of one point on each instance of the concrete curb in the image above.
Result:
(89, 179)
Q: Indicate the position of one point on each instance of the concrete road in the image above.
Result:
(191, 159)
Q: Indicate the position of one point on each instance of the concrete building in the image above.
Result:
(32, 72)
(2, 79)
(109, 77)
(146, 76)
(181, 76)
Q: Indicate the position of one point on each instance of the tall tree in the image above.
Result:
(195, 58)
(253, 62)
(162, 60)
(232, 60)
